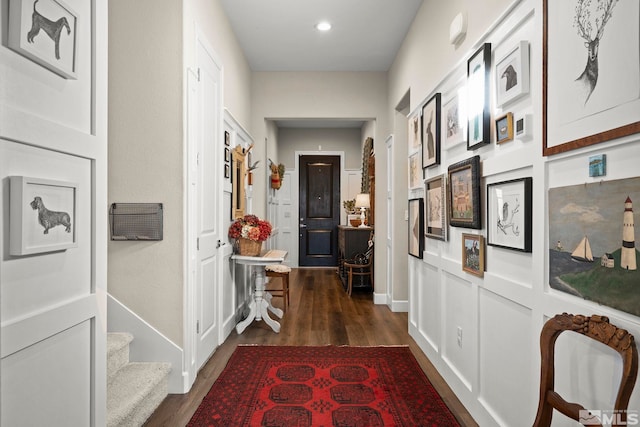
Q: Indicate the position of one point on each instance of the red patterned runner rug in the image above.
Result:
(322, 387)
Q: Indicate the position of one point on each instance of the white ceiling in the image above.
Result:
(279, 35)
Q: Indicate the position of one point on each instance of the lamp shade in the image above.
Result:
(362, 200)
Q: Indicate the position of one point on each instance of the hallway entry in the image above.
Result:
(319, 213)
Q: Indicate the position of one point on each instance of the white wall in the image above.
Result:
(151, 47)
(494, 370)
(52, 303)
(291, 140)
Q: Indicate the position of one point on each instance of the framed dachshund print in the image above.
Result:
(478, 83)
(45, 32)
(464, 193)
(416, 241)
(431, 132)
(509, 214)
(512, 74)
(42, 215)
(435, 196)
(591, 72)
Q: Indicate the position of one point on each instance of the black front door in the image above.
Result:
(319, 210)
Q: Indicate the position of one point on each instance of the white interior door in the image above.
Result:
(208, 197)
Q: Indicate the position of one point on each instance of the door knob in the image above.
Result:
(303, 225)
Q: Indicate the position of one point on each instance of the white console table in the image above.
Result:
(261, 303)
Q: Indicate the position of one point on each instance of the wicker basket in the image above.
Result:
(249, 247)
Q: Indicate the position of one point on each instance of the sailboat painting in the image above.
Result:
(582, 252)
(594, 242)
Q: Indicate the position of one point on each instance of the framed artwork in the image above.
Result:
(591, 87)
(227, 138)
(42, 215)
(454, 119)
(45, 32)
(435, 224)
(227, 171)
(598, 165)
(473, 254)
(512, 74)
(415, 170)
(591, 242)
(504, 128)
(239, 172)
(227, 156)
(415, 133)
(509, 214)
(479, 115)
(415, 227)
(464, 193)
(431, 132)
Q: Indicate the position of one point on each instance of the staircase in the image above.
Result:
(134, 389)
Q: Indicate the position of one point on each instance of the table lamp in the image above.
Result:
(362, 202)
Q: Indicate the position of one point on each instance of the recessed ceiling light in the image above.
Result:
(323, 26)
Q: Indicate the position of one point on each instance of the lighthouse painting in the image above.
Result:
(596, 221)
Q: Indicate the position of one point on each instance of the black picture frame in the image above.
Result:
(509, 214)
(415, 228)
(431, 120)
(478, 98)
(227, 138)
(435, 217)
(464, 193)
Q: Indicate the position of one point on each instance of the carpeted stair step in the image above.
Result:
(135, 391)
(117, 352)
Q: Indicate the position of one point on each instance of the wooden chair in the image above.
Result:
(282, 272)
(360, 265)
(598, 328)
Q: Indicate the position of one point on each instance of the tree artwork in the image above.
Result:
(584, 23)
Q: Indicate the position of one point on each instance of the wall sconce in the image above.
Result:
(362, 202)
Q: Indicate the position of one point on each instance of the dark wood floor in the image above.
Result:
(320, 313)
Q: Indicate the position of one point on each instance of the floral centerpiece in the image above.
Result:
(249, 233)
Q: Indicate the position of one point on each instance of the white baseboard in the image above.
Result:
(148, 344)
(397, 306)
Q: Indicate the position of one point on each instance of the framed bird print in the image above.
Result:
(509, 214)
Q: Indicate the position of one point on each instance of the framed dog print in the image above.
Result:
(431, 132)
(479, 115)
(435, 223)
(42, 215)
(45, 32)
(415, 133)
(504, 128)
(454, 119)
(512, 74)
(464, 193)
(473, 254)
(415, 228)
(509, 214)
(591, 73)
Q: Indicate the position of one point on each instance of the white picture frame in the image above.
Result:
(512, 74)
(42, 215)
(454, 118)
(27, 35)
(414, 132)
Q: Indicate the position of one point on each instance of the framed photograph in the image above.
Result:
(504, 128)
(227, 156)
(415, 227)
(415, 170)
(591, 87)
(42, 215)
(454, 119)
(464, 193)
(473, 254)
(435, 223)
(227, 171)
(509, 214)
(598, 165)
(478, 82)
(45, 32)
(227, 138)
(415, 133)
(512, 74)
(431, 132)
